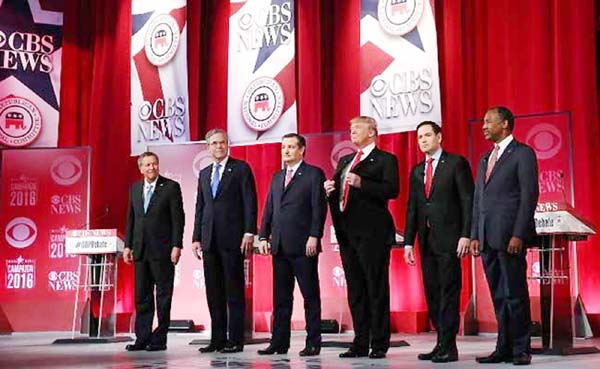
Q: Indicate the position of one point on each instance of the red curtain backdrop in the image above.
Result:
(533, 56)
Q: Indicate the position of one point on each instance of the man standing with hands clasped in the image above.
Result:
(293, 218)
(439, 209)
(224, 230)
(155, 223)
(506, 194)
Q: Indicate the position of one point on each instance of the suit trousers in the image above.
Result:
(507, 278)
(366, 261)
(306, 271)
(225, 293)
(442, 279)
(148, 274)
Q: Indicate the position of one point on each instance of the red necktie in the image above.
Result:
(346, 184)
(428, 177)
(492, 162)
(288, 177)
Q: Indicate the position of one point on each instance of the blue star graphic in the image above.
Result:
(369, 7)
(15, 16)
(266, 51)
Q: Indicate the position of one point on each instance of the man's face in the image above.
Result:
(149, 168)
(493, 126)
(361, 134)
(218, 147)
(291, 152)
(429, 141)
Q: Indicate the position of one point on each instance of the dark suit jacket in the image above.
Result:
(161, 228)
(221, 222)
(504, 206)
(293, 214)
(448, 209)
(367, 208)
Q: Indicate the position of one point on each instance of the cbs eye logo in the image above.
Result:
(340, 149)
(66, 170)
(201, 161)
(20, 232)
(545, 139)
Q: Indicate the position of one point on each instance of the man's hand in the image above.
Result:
(127, 255)
(329, 186)
(463, 247)
(247, 244)
(409, 256)
(264, 248)
(175, 255)
(197, 250)
(311, 246)
(353, 180)
(475, 248)
(515, 245)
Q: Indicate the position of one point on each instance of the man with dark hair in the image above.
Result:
(439, 210)
(358, 195)
(293, 218)
(506, 194)
(224, 230)
(154, 240)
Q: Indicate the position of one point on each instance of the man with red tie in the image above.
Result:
(506, 194)
(439, 209)
(358, 195)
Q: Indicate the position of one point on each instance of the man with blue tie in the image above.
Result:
(506, 194)
(154, 240)
(293, 220)
(224, 229)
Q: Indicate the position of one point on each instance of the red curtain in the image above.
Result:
(535, 56)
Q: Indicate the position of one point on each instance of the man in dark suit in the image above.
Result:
(439, 210)
(506, 194)
(224, 230)
(154, 240)
(358, 197)
(293, 218)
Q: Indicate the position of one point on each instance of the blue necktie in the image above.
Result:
(147, 198)
(214, 184)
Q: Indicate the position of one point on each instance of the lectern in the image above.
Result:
(98, 251)
(557, 224)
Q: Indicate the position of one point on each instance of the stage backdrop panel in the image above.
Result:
(399, 81)
(44, 193)
(261, 87)
(549, 135)
(30, 65)
(159, 84)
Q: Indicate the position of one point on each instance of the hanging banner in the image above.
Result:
(30, 65)
(261, 105)
(399, 81)
(159, 85)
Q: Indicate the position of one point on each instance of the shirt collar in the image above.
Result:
(502, 145)
(223, 162)
(294, 167)
(367, 149)
(148, 184)
(436, 156)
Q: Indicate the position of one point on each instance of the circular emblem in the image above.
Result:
(20, 122)
(262, 104)
(201, 161)
(20, 232)
(545, 139)
(162, 39)
(53, 276)
(398, 17)
(340, 149)
(66, 170)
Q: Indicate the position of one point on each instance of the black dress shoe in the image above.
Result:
(135, 347)
(354, 353)
(445, 355)
(377, 354)
(231, 349)
(310, 351)
(210, 348)
(270, 350)
(429, 355)
(522, 359)
(494, 358)
(155, 347)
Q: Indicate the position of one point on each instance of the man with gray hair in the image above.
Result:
(224, 230)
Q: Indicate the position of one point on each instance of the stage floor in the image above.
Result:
(35, 350)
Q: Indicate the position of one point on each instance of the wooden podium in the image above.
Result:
(557, 224)
(98, 250)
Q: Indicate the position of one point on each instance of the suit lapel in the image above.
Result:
(505, 155)
(439, 170)
(226, 177)
(295, 178)
(369, 160)
(158, 188)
